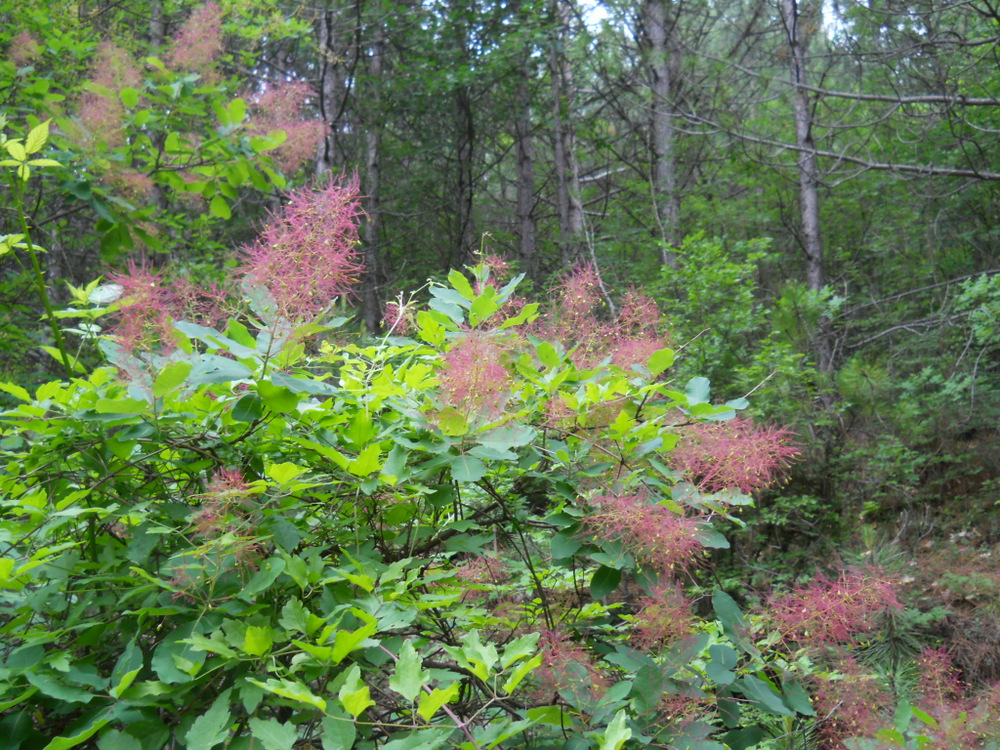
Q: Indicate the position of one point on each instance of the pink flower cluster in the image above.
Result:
(825, 612)
(474, 380)
(854, 706)
(148, 304)
(566, 666)
(199, 41)
(23, 49)
(282, 107)
(308, 253)
(101, 112)
(664, 617)
(630, 339)
(655, 536)
(146, 308)
(736, 454)
(225, 506)
(399, 319)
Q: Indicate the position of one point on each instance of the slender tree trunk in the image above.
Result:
(808, 174)
(567, 167)
(157, 27)
(525, 170)
(659, 28)
(371, 302)
(465, 133)
(332, 94)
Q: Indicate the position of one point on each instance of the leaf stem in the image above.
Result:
(39, 276)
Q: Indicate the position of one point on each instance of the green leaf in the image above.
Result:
(212, 727)
(273, 735)
(172, 376)
(743, 739)
(295, 616)
(37, 138)
(53, 352)
(121, 406)
(16, 391)
(339, 733)
(249, 408)
(659, 361)
(354, 694)
(452, 422)
(57, 690)
(367, 461)
(604, 581)
(420, 739)
(126, 669)
(565, 544)
(723, 660)
(266, 575)
(467, 469)
(211, 368)
(219, 207)
(115, 740)
(292, 690)
(237, 111)
(129, 97)
(763, 695)
(902, 716)
(286, 472)
(258, 640)
(481, 656)
(698, 391)
(925, 717)
(87, 729)
(17, 150)
(214, 645)
(409, 677)
(461, 284)
(711, 538)
(431, 702)
(528, 312)
(521, 672)
(482, 308)
(797, 698)
(278, 398)
(175, 661)
(548, 354)
(729, 614)
(616, 734)
(553, 715)
(347, 641)
(395, 463)
(519, 648)
(508, 437)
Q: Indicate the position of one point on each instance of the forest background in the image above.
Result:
(808, 193)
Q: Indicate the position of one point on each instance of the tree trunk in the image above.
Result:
(372, 304)
(465, 133)
(808, 174)
(525, 168)
(659, 30)
(157, 27)
(567, 167)
(332, 88)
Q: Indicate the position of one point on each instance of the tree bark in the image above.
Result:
(333, 88)
(372, 304)
(662, 48)
(525, 162)
(567, 167)
(808, 170)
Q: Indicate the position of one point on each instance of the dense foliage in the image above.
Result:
(804, 194)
